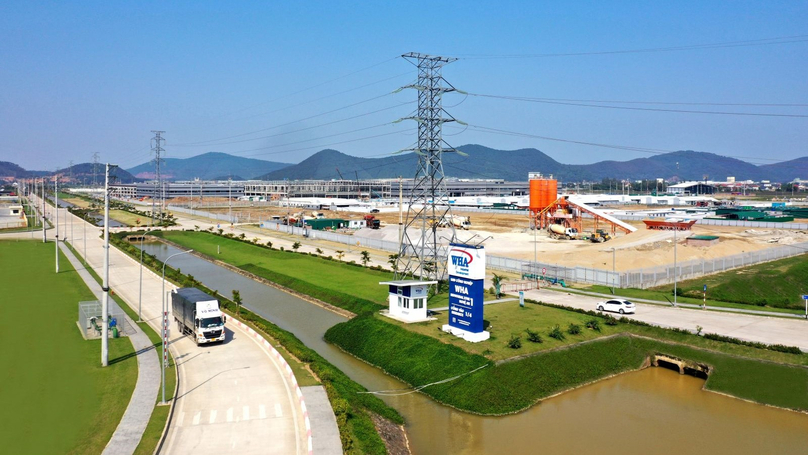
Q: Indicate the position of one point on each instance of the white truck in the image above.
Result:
(198, 314)
(461, 222)
(558, 231)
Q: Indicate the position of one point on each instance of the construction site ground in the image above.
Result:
(509, 235)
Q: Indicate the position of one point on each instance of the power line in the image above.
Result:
(682, 111)
(671, 103)
(312, 87)
(206, 142)
(596, 144)
(303, 129)
(726, 44)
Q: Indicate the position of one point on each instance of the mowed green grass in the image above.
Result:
(356, 281)
(55, 396)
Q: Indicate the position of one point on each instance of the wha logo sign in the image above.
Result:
(461, 258)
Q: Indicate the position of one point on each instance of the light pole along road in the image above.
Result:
(232, 397)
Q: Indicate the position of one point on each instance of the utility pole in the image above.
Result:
(157, 148)
(105, 285)
(422, 253)
(400, 212)
(44, 218)
(56, 204)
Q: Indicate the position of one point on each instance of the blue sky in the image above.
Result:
(282, 80)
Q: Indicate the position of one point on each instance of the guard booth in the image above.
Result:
(407, 299)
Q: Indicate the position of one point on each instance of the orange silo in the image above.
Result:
(543, 192)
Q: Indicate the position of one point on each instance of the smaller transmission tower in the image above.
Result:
(157, 148)
(95, 168)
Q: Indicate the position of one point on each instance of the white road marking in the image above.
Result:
(212, 416)
(246, 413)
(278, 410)
(229, 414)
(262, 411)
(197, 416)
(182, 417)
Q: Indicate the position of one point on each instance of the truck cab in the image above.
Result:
(198, 315)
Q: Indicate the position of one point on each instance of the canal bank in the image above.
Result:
(435, 428)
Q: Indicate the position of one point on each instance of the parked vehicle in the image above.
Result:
(198, 314)
(621, 306)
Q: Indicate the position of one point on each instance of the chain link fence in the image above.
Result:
(637, 278)
(90, 321)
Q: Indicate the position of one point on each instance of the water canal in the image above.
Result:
(649, 411)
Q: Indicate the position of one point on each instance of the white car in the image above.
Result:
(621, 306)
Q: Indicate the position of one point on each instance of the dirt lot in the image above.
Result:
(510, 236)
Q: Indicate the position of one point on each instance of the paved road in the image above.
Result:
(764, 329)
(233, 397)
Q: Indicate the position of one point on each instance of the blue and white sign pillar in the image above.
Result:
(466, 266)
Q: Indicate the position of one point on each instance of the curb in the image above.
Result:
(170, 417)
(289, 372)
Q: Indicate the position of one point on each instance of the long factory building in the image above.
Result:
(281, 189)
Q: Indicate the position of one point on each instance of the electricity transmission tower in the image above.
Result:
(95, 167)
(423, 253)
(156, 146)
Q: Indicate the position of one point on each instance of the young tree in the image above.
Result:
(319, 251)
(497, 281)
(340, 254)
(295, 246)
(237, 301)
(393, 261)
(365, 257)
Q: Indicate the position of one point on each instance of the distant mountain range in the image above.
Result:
(84, 173)
(476, 162)
(514, 165)
(208, 166)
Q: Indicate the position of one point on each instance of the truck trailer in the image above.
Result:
(198, 314)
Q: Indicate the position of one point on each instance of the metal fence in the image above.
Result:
(90, 321)
(200, 213)
(636, 278)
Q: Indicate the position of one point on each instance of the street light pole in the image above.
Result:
(56, 204)
(165, 323)
(675, 269)
(140, 289)
(614, 272)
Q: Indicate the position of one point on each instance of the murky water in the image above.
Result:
(651, 411)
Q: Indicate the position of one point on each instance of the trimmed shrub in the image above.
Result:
(533, 337)
(557, 333)
(593, 324)
(515, 342)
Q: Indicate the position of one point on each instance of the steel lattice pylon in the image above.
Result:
(423, 252)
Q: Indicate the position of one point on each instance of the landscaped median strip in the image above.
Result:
(289, 373)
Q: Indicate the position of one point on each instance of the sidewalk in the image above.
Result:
(131, 427)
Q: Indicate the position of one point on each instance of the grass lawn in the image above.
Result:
(771, 286)
(663, 295)
(154, 429)
(331, 275)
(509, 319)
(56, 397)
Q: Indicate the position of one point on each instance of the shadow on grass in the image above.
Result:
(134, 354)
